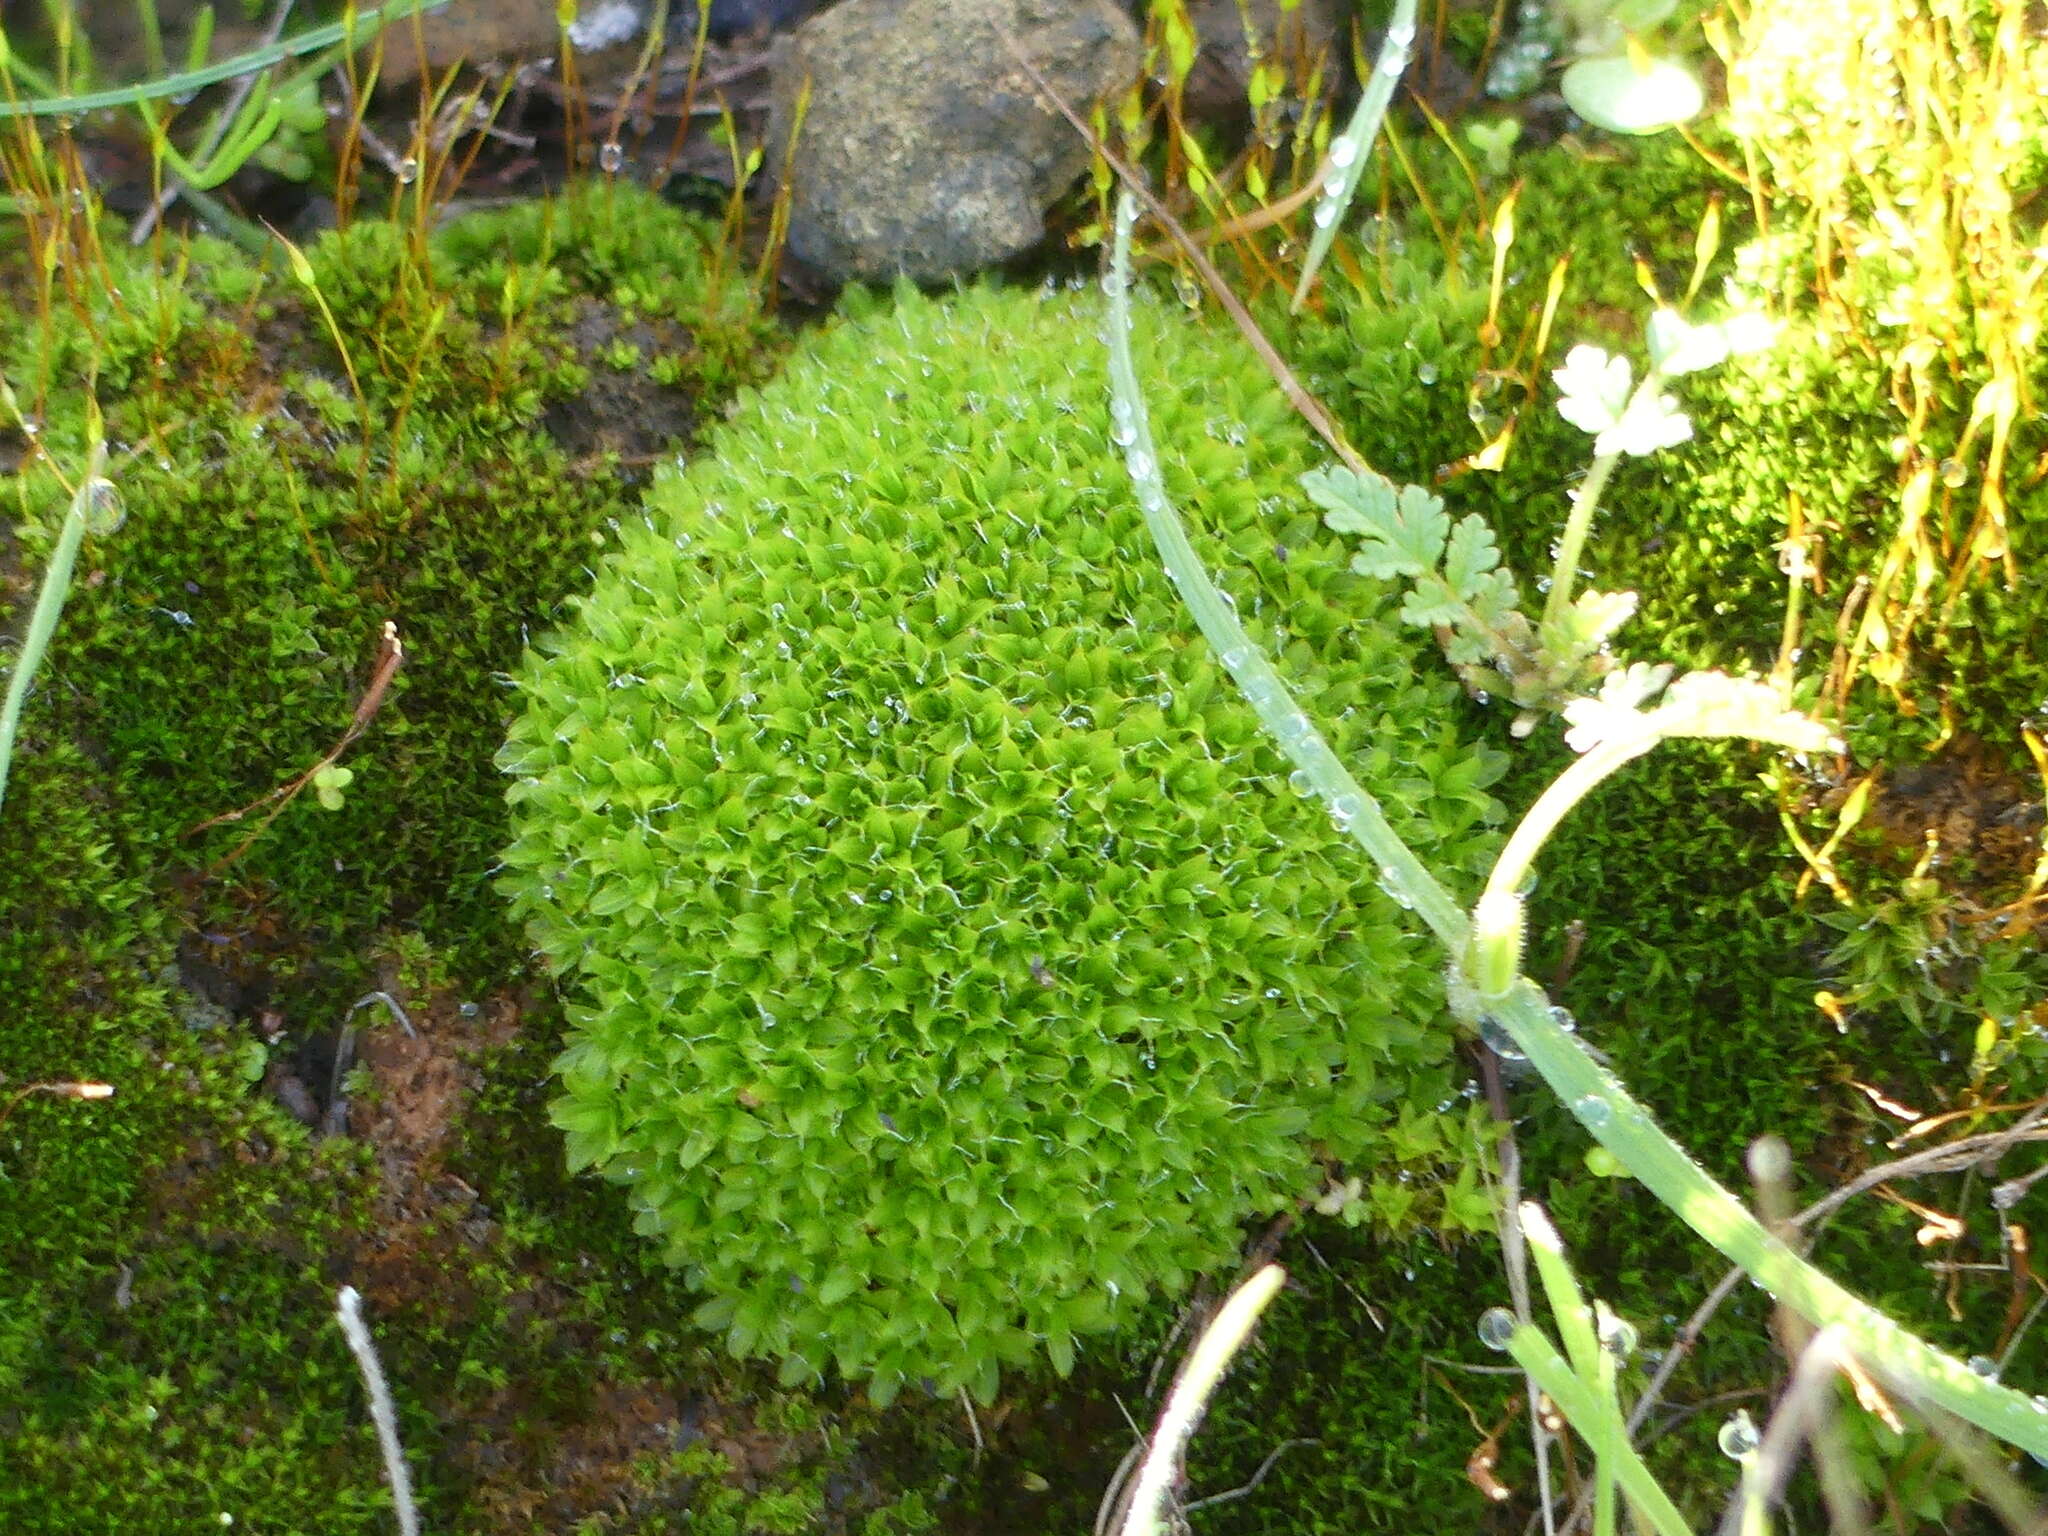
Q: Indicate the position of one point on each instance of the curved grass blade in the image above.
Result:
(1352, 148)
(359, 27)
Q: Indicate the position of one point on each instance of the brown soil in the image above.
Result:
(429, 1223)
(1975, 807)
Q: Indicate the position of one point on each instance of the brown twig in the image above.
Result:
(390, 655)
(57, 1091)
(1306, 404)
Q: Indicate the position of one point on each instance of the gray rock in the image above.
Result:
(1233, 39)
(926, 150)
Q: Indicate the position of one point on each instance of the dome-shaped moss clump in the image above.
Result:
(955, 964)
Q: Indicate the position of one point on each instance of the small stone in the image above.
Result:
(926, 149)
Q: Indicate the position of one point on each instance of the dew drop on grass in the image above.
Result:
(1983, 1365)
(1618, 1335)
(1738, 1437)
(611, 158)
(1343, 152)
(1498, 1040)
(1496, 1327)
(1593, 1111)
(1300, 782)
(1326, 215)
(408, 171)
(104, 512)
(1122, 433)
(1293, 729)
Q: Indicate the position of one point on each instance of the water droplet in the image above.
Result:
(1498, 1040)
(1343, 152)
(1272, 994)
(1187, 290)
(1983, 1365)
(1300, 782)
(1140, 465)
(1738, 1437)
(1122, 433)
(1346, 806)
(1496, 1327)
(1953, 473)
(1326, 215)
(103, 510)
(468, 1010)
(408, 171)
(611, 158)
(1563, 1019)
(1425, 373)
(1293, 729)
(1593, 1111)
(1618, 1335)
(1390, 882)
(1113, 284)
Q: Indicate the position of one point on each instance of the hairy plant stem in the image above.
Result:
(1512, 868)
(1147, 1513)
(1564, 574)
(1356, 812)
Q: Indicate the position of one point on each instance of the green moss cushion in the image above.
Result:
(955, 965)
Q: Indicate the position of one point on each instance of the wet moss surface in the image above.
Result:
(456, 466)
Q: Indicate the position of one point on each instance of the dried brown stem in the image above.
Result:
(390, 655)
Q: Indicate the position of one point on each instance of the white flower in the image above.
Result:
(1750, 331)
(1650, 422)
(1593, 388)
(1678, 346)
(1595, 396)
